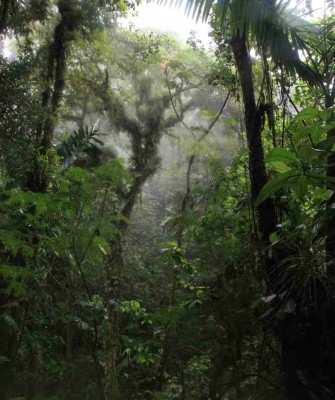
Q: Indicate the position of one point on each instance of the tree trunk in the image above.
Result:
(306, 335)
(111, 387)
(257, 171)
(4, 16)
(113, 268)
(330, 239)
(36, 179)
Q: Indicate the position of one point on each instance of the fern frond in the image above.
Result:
(83, 140)
(217, 172)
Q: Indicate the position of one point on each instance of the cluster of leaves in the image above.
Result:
(300, 174)
(53, 244)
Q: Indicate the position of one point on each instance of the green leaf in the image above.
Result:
(280, 166)
(278, 182)
(282, 155)
(314, 131)
(274, 237)
(306, 114)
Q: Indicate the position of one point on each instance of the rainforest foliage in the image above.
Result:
(167, 223)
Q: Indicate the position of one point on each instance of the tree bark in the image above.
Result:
(293, 330)
(4, 16)
(330, 239)
(36, 179)
(306, 335)
(258, 178)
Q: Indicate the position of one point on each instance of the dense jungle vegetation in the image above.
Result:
(167, 226)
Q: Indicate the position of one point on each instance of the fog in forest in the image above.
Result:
(167, 226)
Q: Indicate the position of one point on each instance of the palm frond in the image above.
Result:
(199, 9)
(269, 22)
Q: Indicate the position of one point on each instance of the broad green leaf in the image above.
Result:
(278, 182)
(314, 131)
(280, 166)
(282, 155)
(135, 304)
(306, 114)
(274, 237)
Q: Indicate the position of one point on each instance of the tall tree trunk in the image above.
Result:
(265, 211)
(113, 269)
(330, 239)
(306, 336)
(36, 179)
(258, 178)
